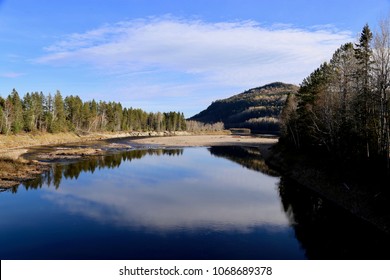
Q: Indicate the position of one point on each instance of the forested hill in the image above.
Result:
(258, 108)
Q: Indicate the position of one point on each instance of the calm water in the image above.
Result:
(193, 203)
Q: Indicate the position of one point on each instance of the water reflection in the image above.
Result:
(177, 204)
(327, 231)
(72, 170)
(189, 192)
(249, 157)
(150, 204)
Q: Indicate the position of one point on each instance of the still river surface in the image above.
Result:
(192, 203)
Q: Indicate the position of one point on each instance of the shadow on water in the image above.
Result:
(324, 230)
(327, 231)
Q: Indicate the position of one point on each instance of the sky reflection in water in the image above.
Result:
(164, 193)
(156, 204)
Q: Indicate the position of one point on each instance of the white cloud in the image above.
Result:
(241, 54)
(11, 75)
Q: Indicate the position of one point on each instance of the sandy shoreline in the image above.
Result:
(205, 140)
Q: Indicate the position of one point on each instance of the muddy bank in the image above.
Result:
(12, 172)
(358, 193)
(20, 164)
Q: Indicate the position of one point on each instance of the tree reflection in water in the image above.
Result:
(73, 170)
(249, 157)
(324, 230)
(327, 231)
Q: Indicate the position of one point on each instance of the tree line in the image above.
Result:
(36, 112)
(342, 107)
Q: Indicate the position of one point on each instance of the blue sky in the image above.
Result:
(170, 55)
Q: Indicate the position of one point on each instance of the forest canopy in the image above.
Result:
(36, 112)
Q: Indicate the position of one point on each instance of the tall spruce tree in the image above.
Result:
(28, 113)
(59, 119)
(364, 108)
(17, 112)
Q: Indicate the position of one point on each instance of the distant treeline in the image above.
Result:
(47, 113)
(342, 108)
(194, 126)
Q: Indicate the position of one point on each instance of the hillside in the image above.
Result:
(257, 108)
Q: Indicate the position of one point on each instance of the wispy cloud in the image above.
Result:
(11, 75)
(242, 53)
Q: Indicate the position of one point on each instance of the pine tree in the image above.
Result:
(364, 106)
(17, 112)
(73, 107)
(86, 116)
(118, 115)
(59, 120)
(38, 100)
(7, 116)
(47, 112)
(125, 118)
(28, 113)
(94, 118)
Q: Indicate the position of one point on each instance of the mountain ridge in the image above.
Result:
(257, 109)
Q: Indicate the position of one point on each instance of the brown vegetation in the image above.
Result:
(14, 172)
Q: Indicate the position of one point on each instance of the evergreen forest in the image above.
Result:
(342, 108)
(36, 112)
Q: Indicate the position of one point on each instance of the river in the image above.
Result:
(190, 203)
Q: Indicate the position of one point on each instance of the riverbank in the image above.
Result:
(16, 167)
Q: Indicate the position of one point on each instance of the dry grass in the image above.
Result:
(69, 153)
(24, 140)
(30, 139)
(14, 169)
(77, 151)
(12, 154)
(12, 147)
(13, 172)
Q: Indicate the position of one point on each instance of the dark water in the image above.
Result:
(193, 203)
